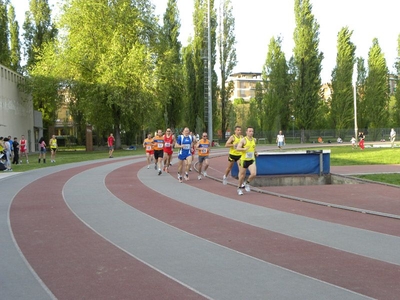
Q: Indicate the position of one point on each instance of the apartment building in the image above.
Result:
(244, 85)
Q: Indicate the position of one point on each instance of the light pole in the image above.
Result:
(293, 118)
(355, 99)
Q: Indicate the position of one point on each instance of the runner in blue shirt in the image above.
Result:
(185, 143)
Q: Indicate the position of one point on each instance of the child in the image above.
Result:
(353, 142)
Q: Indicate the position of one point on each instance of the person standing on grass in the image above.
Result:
(361, 138)
(23, 149)
(53, 148)
(110, 143)
(16, 151)
(42, 150)
(234, 154)
(203, 146)
(247, 161)
(280, 140)
(392, 137)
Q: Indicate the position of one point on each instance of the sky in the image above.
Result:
(257, 21)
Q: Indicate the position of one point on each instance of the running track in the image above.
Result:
(113, 229)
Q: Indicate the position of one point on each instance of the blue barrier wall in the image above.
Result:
(290, 163)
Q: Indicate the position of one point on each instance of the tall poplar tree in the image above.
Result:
(38, 29)
(377, 90)
(397, 92)
(15, 46)
(275, 109)
(342, 104)
(307, 61)
(199, 49)
(227, 58)
(170, 74)
(4, 34)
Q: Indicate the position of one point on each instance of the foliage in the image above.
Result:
(170, 85)
(342, 104)
(4, 33)
(307, 63)
(274, 109)
(376, 90)
(227, 59)
(396, 117)
(38, 30)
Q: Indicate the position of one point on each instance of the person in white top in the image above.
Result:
(392, 136)
(280, 140)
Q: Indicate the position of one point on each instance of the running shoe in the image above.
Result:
(199, 177)
(247, 187)
(186, 177)
(180, 178)
(155, 167)
(224, 180)
(159, 172)
(239, 191)
(204, 173)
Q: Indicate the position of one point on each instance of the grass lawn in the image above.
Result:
(340, 156)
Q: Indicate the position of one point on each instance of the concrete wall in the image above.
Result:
(16, 109)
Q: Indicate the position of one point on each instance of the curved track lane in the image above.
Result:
(115, 229)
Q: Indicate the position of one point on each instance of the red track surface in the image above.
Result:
(74, 262)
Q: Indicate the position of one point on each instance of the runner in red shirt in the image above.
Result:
(169, 142)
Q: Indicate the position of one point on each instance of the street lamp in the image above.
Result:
(355, 99)
(293, 118)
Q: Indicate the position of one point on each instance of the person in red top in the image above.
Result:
(23, 149)
(110, 142)
(148, 145)
(203, 147)
(169, 142)
(158, 145)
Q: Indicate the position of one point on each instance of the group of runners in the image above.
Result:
(242, 150)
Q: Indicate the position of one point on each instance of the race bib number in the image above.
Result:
(160, 145)
(167, 145)
(186, 146)
(148, 147)
(250, 155)
(204, 151)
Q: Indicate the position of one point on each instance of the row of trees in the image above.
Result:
(118, 69)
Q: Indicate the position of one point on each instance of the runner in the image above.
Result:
(169, 142)
(158, 146)
(148, 145)
(247, 161)
(203, 146)
(234, 154)
(185, 143)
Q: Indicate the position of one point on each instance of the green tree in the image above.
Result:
(4, 34)
(277, 85)
(38, 30)
(170, 84)
(106, 58)
(307, 61)
(199, 47)
(396, 117)
(342, 103)
(362, 115)
(227, 58)
(15, 47)
(376, 90)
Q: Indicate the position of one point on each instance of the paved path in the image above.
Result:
(113, 229)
